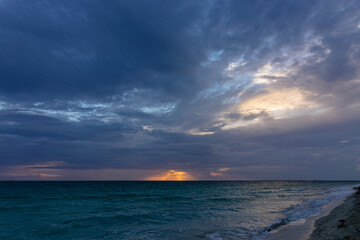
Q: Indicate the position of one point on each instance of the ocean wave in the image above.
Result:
(118, 196)
(295, 189)
(14, 197)
(110, 220)
(305, 209)
(231, 235)
(229, 199)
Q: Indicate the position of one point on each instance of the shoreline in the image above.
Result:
(343, 222)
(310, 227)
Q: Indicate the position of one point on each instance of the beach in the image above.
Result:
(340, 219)
(343, 222)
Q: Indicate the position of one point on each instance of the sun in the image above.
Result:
(172, 175)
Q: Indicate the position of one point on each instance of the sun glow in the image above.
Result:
(275, 104)
(279, 103)
(172, 175)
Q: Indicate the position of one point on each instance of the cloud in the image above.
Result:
(160, 86)
(46, 170)
(279, 103)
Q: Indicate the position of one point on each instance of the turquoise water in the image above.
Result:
(158, 210)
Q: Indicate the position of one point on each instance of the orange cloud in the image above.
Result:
(172, 175)
(219, 172)
(223, 169)
(45, 170)
(215, 174)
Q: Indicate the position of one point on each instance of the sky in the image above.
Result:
(179, 90)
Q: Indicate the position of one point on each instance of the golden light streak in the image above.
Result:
(172, 175)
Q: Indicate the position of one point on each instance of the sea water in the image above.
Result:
(158, 210)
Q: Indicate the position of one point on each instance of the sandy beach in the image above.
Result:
(343, 222)
(340, 219)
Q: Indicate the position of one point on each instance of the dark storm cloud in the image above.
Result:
(91, 48)
(164, 85)
(77, 47)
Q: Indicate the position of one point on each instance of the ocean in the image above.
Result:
(158, 210)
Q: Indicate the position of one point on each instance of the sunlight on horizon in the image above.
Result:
(172, 175)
